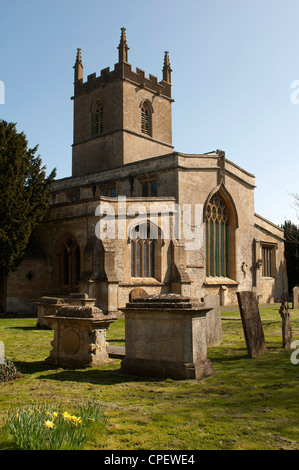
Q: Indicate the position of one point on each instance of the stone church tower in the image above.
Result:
(107, 130)
(122, 151)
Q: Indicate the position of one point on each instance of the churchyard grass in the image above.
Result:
(248, 404)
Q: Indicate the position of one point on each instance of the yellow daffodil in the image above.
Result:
(77, 420)
(53, 415)
(74, 419)
(49, 424)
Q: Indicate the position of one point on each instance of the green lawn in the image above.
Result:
(247, 404)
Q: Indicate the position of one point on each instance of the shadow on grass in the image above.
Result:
(26, 328)
(229, 358)
(98, 376)
(33, 367)
(88, 375)
(116, 341)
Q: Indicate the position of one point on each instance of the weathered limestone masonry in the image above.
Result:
(214, 327)
(123, 158)
(166, 337)
(121, 92)
(270, 280)
(79, 336)
(47, 306)
(286, 324)
(50, 305)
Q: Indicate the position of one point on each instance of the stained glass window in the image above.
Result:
(142, 252)
(217, 237)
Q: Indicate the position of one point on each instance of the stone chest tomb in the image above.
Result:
(79, 336)
(166, 337)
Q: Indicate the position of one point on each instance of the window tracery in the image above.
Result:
(217, 237)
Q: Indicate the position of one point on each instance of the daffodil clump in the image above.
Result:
(47, 428)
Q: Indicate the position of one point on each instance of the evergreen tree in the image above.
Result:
(24, 196)
(291, 233)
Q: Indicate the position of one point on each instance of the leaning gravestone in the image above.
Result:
(252, 325)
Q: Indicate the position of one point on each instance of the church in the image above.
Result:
(137, 214)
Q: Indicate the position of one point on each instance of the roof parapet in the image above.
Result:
(123, 71)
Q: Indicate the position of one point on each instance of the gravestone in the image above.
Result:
(286, 324)
(166, 337)
(223, 295)
(214, 327)
(79, 299)
(50, 305)
(252, 325)
(79, 336)
(136, 293)
(47, 306)
(295, 297)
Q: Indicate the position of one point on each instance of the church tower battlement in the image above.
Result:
(120, 116)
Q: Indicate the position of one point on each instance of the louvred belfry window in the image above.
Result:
(98, 119)
(217, 238)
(146, 127)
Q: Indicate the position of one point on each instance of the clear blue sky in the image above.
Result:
(233, 64)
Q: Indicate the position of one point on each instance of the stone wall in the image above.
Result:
(26, 285)
(270, 289)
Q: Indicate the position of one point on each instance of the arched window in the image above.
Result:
(98, 119)
(146, 118)
(66, 266)
(143, 251)
(217, 238)
(70, 263)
